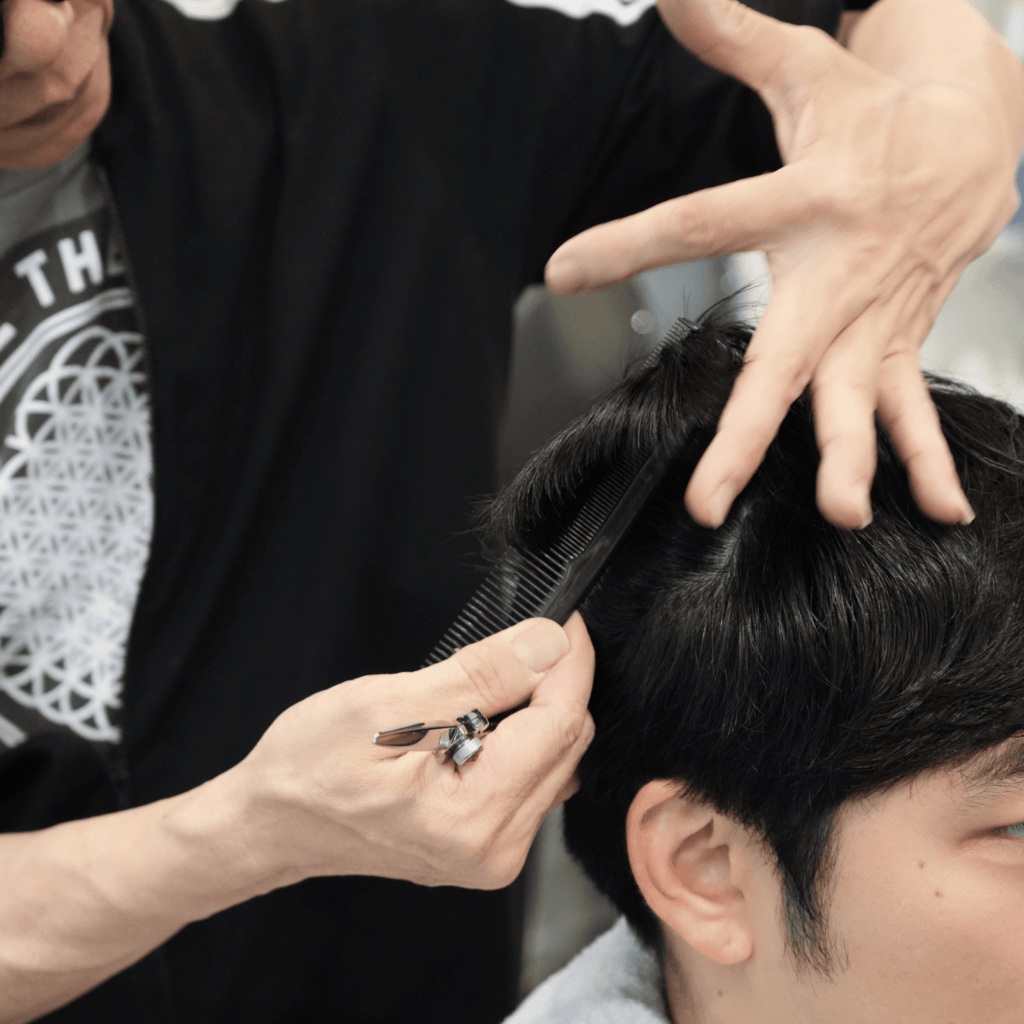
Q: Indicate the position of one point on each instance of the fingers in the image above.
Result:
(542, 734)
(567, 685)
(791, 338)
(526, 768)
(906, 410)
(497, 804)
(752, 213)
(493, 675)
(845, 388)
(526, 772)
(871, 363)
(540, 745)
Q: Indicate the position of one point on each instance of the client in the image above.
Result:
(806, 791)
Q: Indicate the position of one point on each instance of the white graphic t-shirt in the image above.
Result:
(76, 501)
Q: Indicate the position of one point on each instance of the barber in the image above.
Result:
(297, 394)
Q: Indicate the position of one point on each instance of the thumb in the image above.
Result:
(731, 37)
(491, 675)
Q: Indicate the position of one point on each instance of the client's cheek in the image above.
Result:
(939, 939)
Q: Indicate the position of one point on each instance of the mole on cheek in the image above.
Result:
(920, 863)
(937, 893)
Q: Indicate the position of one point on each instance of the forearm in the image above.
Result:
(81, 901)
(944, 42)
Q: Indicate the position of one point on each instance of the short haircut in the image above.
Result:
(778, 666)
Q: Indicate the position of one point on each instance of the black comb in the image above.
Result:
(552, 582)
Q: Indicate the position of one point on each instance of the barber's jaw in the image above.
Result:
(925, 906)
(54, 78)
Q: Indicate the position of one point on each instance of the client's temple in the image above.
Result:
(806, 791)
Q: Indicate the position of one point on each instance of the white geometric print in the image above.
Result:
(76, 514)
(625, 12)
(207, 10)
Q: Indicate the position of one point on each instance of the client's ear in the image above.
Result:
(692, 866)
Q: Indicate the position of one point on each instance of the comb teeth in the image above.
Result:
(525, 582)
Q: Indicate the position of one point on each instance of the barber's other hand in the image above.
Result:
(321, 799)
(893, 182)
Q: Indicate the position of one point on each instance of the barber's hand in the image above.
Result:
(888, 192)
(321, 799)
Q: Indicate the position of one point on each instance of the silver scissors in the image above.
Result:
(459, 742)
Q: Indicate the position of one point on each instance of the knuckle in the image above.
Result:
(855, 381)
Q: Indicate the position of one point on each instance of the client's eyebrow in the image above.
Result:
(1000, 766)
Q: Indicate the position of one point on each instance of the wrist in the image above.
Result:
(226, 847)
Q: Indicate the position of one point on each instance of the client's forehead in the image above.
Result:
(994, 770)
(951, 796)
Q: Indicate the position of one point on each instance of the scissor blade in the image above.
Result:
(407, 735)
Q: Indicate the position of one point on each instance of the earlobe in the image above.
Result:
(689, 862)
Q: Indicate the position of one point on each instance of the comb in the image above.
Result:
(552, 581)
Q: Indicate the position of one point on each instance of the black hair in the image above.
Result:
(778, 666)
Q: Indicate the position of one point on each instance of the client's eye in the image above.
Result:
(1016, 830)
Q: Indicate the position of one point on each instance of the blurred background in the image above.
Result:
(568, 351)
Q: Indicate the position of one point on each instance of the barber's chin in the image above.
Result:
(33, 147)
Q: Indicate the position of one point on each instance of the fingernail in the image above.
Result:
(968, 513)
(540, 646)
(720, 503)
(862, 499)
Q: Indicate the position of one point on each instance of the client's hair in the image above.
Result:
(778, 666)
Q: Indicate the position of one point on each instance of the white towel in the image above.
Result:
(615, 980)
